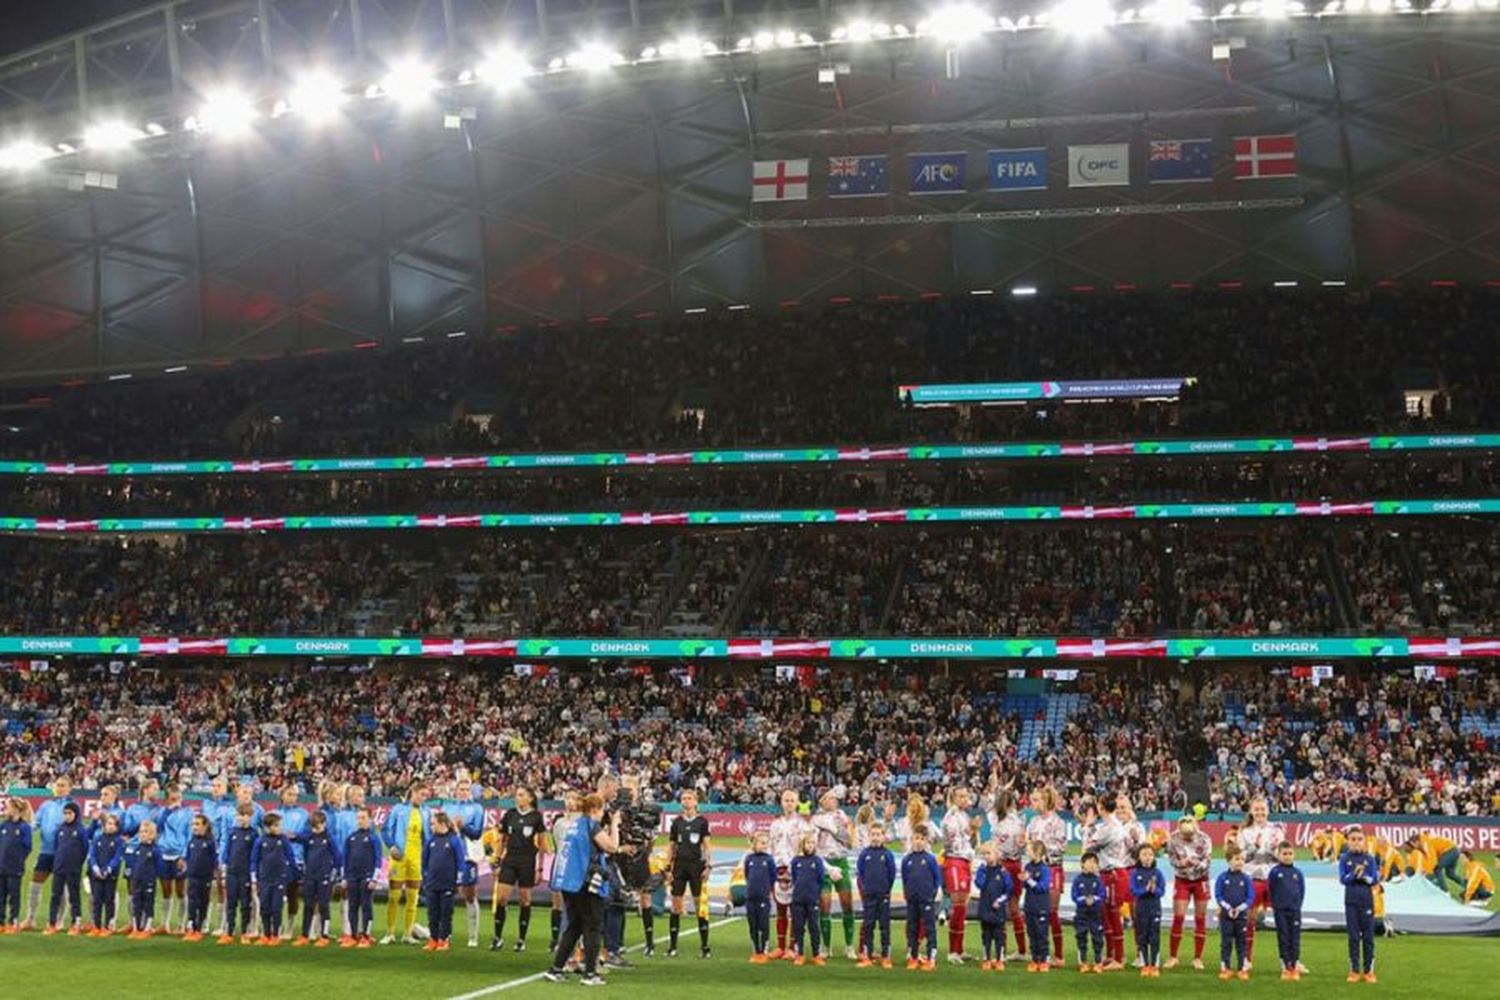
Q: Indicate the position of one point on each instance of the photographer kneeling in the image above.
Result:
(585, 888)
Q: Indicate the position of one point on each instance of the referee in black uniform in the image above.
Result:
(688, 857)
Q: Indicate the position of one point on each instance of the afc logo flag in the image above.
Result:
(858, 176)
(1177, 161)
(937, 173)
(1018, 169)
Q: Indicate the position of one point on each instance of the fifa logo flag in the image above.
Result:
(779, 180)
(1176, 161)
(1018, 169)
(1105, 165)
(858, 176)
(937, 173)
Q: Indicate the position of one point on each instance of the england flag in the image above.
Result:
(779, 180)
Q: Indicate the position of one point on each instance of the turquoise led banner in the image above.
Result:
(739, 518)
(984, 451)
(782, 649)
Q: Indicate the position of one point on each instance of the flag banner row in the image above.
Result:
(584, 460)
(724, 518)
(1094, 165)
(751, 648)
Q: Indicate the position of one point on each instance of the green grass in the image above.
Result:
(62, 967)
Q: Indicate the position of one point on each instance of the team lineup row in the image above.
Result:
(252, 862)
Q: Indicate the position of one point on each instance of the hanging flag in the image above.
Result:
(1105, 165)
(1257, 156)
(937, 173)
(1177, 161)
(1018, 169)
(858, 176)
(779, 180)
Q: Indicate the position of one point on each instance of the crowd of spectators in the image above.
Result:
(1263, 362)
(1366, 741)
(1123, 579)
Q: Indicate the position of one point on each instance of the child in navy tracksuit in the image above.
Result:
(995, 888)
(238, 855)
(270, 870)
(760, 876)
(1146, 887)
(362, 853)
(200, 864)
(1036, 878)
(70, 854)
(106, 856)
(1233, 891)
(807, 871)
(443, 859)
(15, 848)
(920, 879)
(1288, 888)
(321, 861)
(1088, 913)
(1360, 873)
(143, 865)
(876, 874)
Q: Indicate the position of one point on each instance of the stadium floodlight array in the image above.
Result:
(996, 451)
(788, 649)
(977, 514)
(227, 112)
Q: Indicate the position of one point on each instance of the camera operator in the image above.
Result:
(637, 827)
(688, 864)
(586, 886)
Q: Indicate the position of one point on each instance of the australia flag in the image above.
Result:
(858, 176)
(1178, 161)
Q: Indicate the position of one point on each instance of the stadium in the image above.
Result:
(749, 499)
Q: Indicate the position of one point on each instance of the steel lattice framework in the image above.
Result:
(626, 193)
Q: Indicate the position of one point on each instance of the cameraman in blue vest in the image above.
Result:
(585, 888)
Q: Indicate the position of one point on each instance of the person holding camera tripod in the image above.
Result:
(688, 860)
(635, 831)
(586, 889)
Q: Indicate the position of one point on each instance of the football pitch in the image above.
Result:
(64, 967)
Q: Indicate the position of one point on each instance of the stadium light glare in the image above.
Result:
(110, 136)
(763, 40)
(504, 69)
(786, 39)
(1171, 12)
(860, 31)
(24, 154)
(409, 82)
(155, 130)
(316, 96)
(1023, 291)
(226, 112)
(1275, 10)
(1082, 17)
(594, 57)
(956, 24)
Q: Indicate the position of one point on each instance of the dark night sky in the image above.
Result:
(24, 23)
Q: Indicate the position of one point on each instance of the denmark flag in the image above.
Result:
(1257, 156)
(779, 180)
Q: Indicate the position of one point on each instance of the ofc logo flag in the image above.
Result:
(1179, 161)
(937, 173)
(779, 180)
(858, 176)
(1105, 165)
(1018, 169)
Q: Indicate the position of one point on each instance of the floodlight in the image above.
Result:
(227, 112)
(956, 23)
(105, 137)
(504, 69)
(409, 82)
(23, 154)
(594, 57)
(317, 96)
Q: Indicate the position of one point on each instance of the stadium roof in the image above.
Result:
(170, 198)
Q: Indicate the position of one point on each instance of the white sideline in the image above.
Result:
(511, 984)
